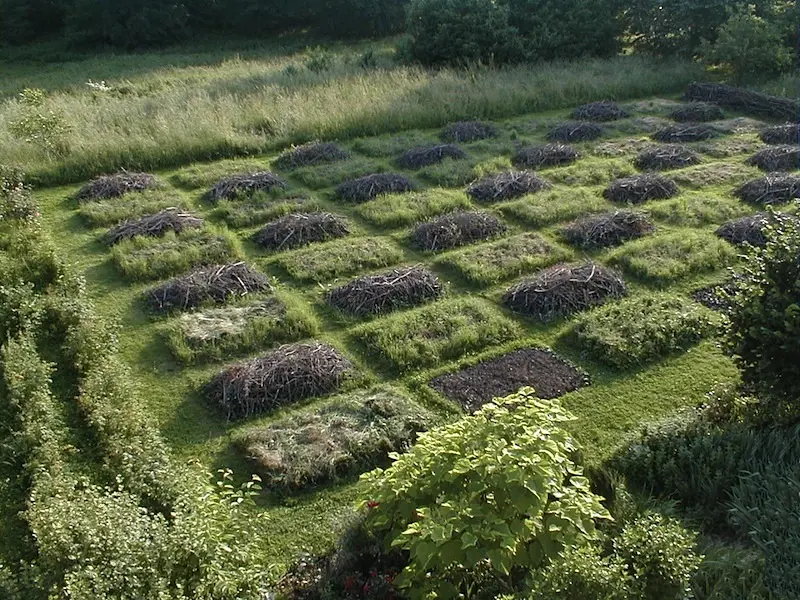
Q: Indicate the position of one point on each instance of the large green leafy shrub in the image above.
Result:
(364, 18)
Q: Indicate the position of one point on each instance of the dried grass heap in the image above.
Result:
(468, 131)
(754, 103)
(607, 230)
(603, 110)
(424, 156)
(216, 284)
(697, 112)
(782, 134)
(313, 153)
(777, 158)
(775, 188)
(456, 229)
(640, 188)
(245, 184)
(385, 292)
(114, 186)
(565, 289)
(575, 131)
(286, 375)
(661, 158)
(300, 229)
(506, 186)
(686, 132)
(549, 155)
(170, 219)
(366, 188)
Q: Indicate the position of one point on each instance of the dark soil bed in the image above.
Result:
(425, 156)
(468, 131)
(717, 297)
(549, 155)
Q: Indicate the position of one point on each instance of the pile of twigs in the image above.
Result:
(424, 156)
(468, 131)
(245, 184)
(170, 219)
(718, 297)
(688, 132)
(549, 155)
(697, 112)
(564, 289)
(607, 229)
(385, 292)
(575, 131)
(774, 188)
(288, 374)
(366, 188)
(456, 229)
(640, 188)
(777, 158)
(214, 284)
(300, 229)
(114, 186)
(313, 153)
(604, 110)
(505, 186)
(782, 134)
(660, 158)
(753, 103)
(747, 230)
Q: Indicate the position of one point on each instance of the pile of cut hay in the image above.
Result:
(385, 292)
(313, 153)
(468, 131)
(697, 112)
(604, 110)
(774, 188)
(456, 229)
(549, 155)
(506, 186)
(170, 219)
(424, 156)
(368, 187)
(575, 131)
(661, 158)
(782, 134)
(687, 132)
(114, 186)
(245, 184)
(607, 230)
(746, 101)
(640, 188)
(300, 229)
(777, 158)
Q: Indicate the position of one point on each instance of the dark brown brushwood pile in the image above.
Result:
(685, 132)
(366, 188)
(215, 284)
(549, 155)
(456, 229)
(286, 375)
(697, 112)
(244, 185)
(775, 188)
(782, 134)
(385, 292)
(313, 153)
(747, 230)
(746, 101)
(300, 229)
(604, 110)
(170, 219)
(468, 131)
(661, 158)
(718, 297)
(505, 186)
(640, 188)
(575, 131)
(564, 289)
(424, 156)
(777, 158)
(114, 186)
(607, 230)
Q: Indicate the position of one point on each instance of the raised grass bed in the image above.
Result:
(607, 229)
(368, 187)
(261, 208)
(313, 153)
(317, 177)
(398, 210)
(592, 171)
(245, 184)
(506, 186)
(301, 229)
(456, 229)
(451, 172)
(555, 206)
(154, 225)
(717, 173)
(340, 258)
(696, 209)
(116, 185)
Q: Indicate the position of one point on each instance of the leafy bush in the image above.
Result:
(583, 573)
(497, 490)
(16, 203)
(362, 18)
(45, 128)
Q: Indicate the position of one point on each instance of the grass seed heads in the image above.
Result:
(385, 292)
(114, 186)
(641, 188)
(575, 131)
(300, 229)
(366, 188)
(603, 110)
(171, 219)
(506, 186)
(217, 284)
(775, 188)
(245, 184)
(286, 375)
(660, 158)
(607, 230)
(549, 155)
(468, 131)
(456, 229)
(565, 289)
(313, 153)
(424, 156)
(754, 103)
(782, 134)
(697, 112)
(777, 158)
(685, 132)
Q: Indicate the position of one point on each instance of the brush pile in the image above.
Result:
(456, 229)
(775, 188)
(549, 155)
(697, 112)
(753, 103)
(170, 219)
(424, 156)
(640, 188)
(607, 230)
(604, 110)
(300, 229)
(214, 284)
(376, 294)
(782, 134)
(114, 186)
(747, 230)
(777, 158)
(506, 186)
(308, 155)
(575, 131)
(368, 187)
(564, 289)
(244, 185)
(687, 132)
(286, 375)
(468, 131)
(661, 158)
